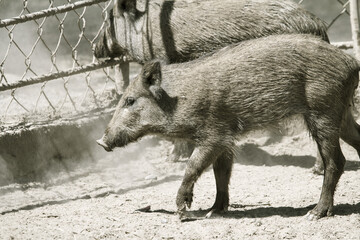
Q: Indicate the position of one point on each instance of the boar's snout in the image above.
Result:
(101, 49)
(107, 47)
(102, 143)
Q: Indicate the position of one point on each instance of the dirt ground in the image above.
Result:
(272, 188)
(272, 185)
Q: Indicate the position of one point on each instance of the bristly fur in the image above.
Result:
(182, 30)
(244, 87)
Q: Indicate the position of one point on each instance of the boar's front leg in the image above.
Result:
(202, 157)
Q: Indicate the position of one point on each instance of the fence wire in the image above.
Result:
(52, 40)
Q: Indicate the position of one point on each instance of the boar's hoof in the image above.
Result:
(215, 211)
(210, 213)
(184, 198)
(316, 214)
(311, 216)
(104, 145)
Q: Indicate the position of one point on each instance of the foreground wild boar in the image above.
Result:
(243, 87)
(182, 30)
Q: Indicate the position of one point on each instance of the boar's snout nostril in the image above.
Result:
(104, 145)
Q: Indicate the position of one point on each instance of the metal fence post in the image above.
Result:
(354, 19)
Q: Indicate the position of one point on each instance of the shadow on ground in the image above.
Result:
(252, 154)
(99, 195)
(262, 211)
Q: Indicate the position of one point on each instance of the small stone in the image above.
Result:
(151, 177)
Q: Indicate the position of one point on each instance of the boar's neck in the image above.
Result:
(180, 101)
(167, 103)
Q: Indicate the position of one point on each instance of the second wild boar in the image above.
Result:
(183, 30)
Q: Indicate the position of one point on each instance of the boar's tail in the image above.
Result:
(322, 30)
(355, 80)
(317, 27)
(325, 36)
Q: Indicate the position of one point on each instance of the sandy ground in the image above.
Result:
(272, 185)
(272, 188)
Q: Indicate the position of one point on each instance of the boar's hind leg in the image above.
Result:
(201, 158)
(222, 170)
(350, 133)
(323, 129)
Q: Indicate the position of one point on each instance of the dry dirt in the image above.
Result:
(272, 185)
(272, 188)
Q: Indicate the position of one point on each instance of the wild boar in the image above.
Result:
(212, 100)
(183, 30)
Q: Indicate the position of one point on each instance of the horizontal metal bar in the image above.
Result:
(98, 65)
(53, 76)
(48, 12)
(344, 45)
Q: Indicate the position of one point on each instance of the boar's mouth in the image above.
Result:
(102, 49)
(107, 45)
(120, 140)
(104, 145)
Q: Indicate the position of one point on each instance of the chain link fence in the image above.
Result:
(336, 14)
(52, 40)
(47, 68)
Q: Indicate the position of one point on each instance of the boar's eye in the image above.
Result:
(129, 101)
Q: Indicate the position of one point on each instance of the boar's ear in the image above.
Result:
(151, 73)
(151, 76)
(121, 6)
